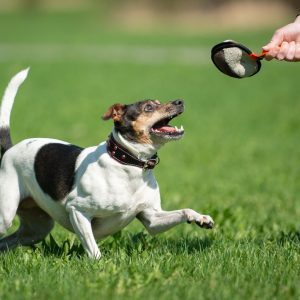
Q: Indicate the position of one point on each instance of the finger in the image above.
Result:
(267, 47)
(297, 52)
(272, 53)
(276, 40)
(283, 51)
(290, 56)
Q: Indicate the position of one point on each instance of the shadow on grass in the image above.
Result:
(292, 236)
(186, 245)
(128, 243)
(50, 247)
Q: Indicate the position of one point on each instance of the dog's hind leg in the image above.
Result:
(9, 199)
(35, 224)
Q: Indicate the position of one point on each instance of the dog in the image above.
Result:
(93, 192)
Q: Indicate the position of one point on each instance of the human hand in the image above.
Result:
(285, 43)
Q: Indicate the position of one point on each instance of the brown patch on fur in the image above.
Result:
(144, 122)
(115, 112)
(140, 128)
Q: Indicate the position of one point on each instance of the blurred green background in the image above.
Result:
(238, 162)
(189, 16)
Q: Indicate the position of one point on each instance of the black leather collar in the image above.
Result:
(121, 155)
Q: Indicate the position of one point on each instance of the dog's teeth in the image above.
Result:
(181, 128)
(176, 128)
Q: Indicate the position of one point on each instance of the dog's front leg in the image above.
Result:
(157, 221)
(83, 228)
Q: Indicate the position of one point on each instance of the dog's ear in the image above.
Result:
(115, 112)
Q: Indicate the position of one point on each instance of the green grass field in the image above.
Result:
(238, 162)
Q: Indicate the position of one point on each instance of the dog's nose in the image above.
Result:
(178, 102)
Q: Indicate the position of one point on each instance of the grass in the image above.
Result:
(239, 162)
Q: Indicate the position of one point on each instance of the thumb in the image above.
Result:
(276, 40)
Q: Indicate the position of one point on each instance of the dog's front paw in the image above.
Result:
(205, 221)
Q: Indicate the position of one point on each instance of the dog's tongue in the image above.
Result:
(167, 128)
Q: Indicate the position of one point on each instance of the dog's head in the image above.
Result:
(146, 122)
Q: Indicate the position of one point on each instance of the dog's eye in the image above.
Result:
(149, 108)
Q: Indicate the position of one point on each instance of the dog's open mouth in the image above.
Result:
(163, 129)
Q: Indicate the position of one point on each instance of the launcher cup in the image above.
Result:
(236, 60)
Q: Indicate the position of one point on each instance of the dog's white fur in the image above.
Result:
(106, 196)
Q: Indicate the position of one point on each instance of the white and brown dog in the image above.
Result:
(95, 191)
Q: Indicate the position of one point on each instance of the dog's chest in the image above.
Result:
(106, 188)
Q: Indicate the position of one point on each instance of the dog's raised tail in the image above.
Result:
(5, 110)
